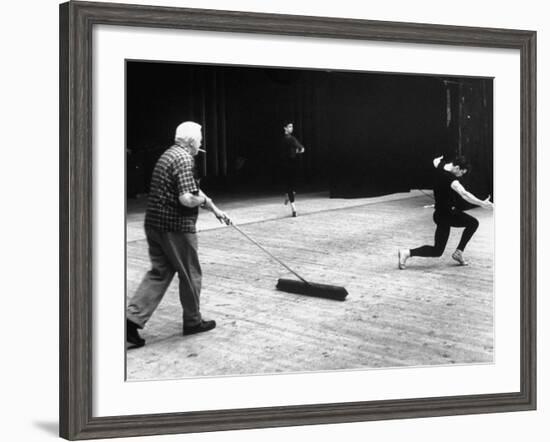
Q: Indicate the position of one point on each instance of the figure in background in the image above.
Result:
(291, 149)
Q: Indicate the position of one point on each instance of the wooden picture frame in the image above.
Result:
(76, 22)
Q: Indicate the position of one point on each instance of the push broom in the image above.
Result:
(301, 287)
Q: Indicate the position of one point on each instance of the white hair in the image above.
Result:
(188, 132)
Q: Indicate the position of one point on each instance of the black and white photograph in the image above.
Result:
(287, 220)
(266, 221)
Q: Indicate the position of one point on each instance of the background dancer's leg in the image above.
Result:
(290, 172)
(291, 186)
(290, 195)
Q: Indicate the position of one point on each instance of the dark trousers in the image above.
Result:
(170, 253)
(444, 222)
(290, 172)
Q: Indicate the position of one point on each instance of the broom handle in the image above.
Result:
(272, 256)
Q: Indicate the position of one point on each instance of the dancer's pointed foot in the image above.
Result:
(457, 256)
(402, 256)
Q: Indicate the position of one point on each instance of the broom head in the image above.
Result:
(312, 289)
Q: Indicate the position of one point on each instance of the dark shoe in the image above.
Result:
(203, 326)
(294, 214)
(132, 335)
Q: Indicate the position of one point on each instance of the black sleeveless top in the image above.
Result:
(443, 193)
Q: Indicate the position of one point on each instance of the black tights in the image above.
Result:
(290, 194)
(444, 223)
(290, 172)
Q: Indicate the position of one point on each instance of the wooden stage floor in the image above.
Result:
(432, 313)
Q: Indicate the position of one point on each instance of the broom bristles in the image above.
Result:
(312, 289)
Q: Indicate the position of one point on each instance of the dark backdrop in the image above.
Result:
(365, 133)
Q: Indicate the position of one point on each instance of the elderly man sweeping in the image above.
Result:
(170, 227)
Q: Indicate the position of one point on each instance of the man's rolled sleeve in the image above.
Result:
(184, 177)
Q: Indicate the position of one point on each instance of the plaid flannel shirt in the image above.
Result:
(173, 176)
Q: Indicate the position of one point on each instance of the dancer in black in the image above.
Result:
(290, 151)
(446, 215)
